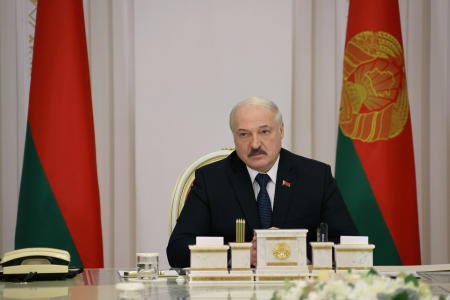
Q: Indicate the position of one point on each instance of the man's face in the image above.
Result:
(257, 136)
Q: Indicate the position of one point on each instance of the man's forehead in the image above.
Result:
(264, 126)
(253, 117)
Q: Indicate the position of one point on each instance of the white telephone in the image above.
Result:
(47, 261)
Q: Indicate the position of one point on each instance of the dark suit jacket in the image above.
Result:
(222, 192)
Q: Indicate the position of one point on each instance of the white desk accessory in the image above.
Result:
(353, 253)
(322, 256)
(281, 255)
(208, 262)
(240, 255)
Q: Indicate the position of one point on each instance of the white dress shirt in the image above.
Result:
(270, 185)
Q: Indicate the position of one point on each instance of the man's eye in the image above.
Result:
(243, 134)
(266, 131)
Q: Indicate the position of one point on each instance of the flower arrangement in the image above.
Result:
(350, 286)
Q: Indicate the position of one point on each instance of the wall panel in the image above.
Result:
(196, 60)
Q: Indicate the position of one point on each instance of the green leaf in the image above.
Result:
(276, 296)
(372, 271)
(400, 296)
(405, 294)
(413, 279)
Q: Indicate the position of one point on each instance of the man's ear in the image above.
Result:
(282, 129)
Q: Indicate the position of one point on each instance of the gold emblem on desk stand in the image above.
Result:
(281, 251)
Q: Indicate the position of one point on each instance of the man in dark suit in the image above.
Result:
(262, 183)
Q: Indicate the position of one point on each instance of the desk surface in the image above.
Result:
(99, 284)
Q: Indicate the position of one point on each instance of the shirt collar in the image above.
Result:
(272, 172)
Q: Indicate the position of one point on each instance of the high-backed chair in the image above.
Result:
(185, 180)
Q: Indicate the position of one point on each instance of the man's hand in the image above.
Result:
(253, 249)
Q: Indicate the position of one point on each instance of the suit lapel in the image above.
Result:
(240, 180)
(284, 190)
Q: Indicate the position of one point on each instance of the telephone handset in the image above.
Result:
(39, 263)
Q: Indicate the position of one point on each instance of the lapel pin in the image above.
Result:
(286, 183)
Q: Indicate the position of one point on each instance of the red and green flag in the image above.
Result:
(59, 204)
(375, 160)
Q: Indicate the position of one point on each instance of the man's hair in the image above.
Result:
(257, 101)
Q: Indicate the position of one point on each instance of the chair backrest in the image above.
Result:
(185, 180)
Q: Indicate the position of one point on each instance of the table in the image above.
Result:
(99, 284)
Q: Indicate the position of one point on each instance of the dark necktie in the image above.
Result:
(263, 201)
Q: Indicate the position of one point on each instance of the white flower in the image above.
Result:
(356, 286)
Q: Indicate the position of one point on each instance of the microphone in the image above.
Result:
(322, 232)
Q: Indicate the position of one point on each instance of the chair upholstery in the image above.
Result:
(185, 180)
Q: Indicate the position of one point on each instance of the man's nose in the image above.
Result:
(256, 142)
